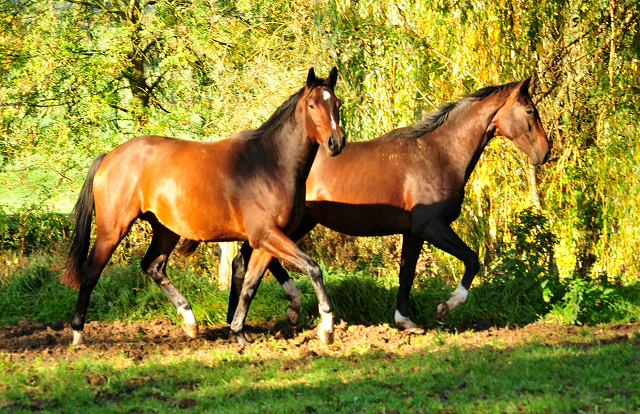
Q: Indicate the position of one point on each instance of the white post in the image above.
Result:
(226, 252)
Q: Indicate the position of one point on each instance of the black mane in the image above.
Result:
(434, 119)
(283, 114)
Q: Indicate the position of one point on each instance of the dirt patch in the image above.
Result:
(28, 340)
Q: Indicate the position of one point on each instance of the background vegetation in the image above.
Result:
(79, 77)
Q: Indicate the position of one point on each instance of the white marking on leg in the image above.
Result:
(325, 330)
(404, 322)
(458, 297)
(189, 324)
(78, 338)
(187, 316)
(291, 290)
(326, 95)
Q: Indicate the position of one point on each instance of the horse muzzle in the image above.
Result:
(335, 145)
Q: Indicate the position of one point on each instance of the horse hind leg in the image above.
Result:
(154, 264)
(103, 248)
(441, 235)
(291, 290)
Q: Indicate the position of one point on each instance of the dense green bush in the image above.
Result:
(32, 229)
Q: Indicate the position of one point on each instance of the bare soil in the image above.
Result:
(28, 340)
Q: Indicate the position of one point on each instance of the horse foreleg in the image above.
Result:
(441, 235)
(291, 290)
(154, 264)
(283, 248)
(411, 247)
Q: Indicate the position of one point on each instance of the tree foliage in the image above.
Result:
(79, 77)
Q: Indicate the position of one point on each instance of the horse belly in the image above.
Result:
(360, 219)
(198, 216)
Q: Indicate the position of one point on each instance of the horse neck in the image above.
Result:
(295, 149)
(468, 127)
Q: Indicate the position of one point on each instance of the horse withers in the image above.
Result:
(250, 187)
(411, 181)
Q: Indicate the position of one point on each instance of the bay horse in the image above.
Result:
(411, 181)
(249, 187)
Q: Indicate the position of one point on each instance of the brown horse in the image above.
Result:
(411, 181)
(250, 186)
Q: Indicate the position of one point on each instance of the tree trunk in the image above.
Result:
(533, 185)
(136, 71)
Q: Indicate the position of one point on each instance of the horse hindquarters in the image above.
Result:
(115, 210)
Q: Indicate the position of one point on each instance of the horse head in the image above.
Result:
(322, 112)
(519, 121)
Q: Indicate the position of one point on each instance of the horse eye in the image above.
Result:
(311, 106)
(529, 111)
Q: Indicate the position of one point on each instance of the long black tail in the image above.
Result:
(82, 233)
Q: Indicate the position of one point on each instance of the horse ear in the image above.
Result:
(311, 77)
(333, 77)
(524, 86)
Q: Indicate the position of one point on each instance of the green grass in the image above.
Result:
(436, 376)
(585, 376)
(30, 289)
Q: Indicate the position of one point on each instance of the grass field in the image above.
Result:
(372, 368)
(542, 368)
(138, 361)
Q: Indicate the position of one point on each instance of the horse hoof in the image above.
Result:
(441, 310)
(241, 339)
(410, 327)
(78, 338)
(294, 314)
(326, 337)
(190, 329)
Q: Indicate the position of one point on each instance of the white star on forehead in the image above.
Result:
(326, 95)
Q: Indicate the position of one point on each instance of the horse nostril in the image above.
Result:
(546, 157)
(332, 143)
